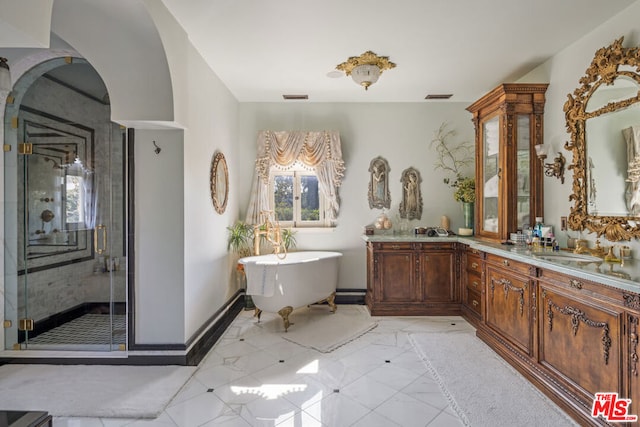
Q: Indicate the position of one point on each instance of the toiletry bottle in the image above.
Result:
(537, 229)
(535, 242)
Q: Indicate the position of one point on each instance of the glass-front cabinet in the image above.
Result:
(508, 123)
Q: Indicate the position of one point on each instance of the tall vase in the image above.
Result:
(467, 210)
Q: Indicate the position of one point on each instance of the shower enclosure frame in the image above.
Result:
(13, 318)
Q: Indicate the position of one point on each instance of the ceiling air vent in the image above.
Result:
(288, 97)
(439, 96)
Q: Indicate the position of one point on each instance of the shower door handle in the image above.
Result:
(100, 248)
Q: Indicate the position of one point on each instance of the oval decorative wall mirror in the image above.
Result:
(219, 181)
(603, 118)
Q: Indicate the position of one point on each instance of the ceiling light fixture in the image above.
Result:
(366, 68)
(5, 76)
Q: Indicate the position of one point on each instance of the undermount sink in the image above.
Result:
(568, 256)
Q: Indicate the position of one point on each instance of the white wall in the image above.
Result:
(194, 273)
(563, 73)
(159, 242)
(212, 127)
(120, 40)
(399, 132)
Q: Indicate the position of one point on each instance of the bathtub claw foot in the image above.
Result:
(331, 301)
(284, 313)
(257, 313)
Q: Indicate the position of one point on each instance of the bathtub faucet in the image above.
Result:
(271, 232)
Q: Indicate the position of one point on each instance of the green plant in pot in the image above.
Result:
(465, 192)
(288, 238)
(240, 243)
(240, 239)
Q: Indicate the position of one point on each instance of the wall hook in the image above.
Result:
(158, 149)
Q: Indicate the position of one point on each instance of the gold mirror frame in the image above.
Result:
(602, 71)
(219, 182)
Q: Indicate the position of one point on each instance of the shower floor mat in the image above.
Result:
(87, 332)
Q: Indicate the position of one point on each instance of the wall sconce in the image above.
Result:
(556, 168)
(5, 76)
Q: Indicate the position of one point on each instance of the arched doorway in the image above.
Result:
(65, 233)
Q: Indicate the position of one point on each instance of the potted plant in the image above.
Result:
(288, 238)
(240, 243)
(465, 192)
(240, 239)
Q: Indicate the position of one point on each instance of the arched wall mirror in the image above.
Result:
(603, 119)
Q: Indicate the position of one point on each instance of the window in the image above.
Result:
(74, 198)
(298, 175)
(296, 199)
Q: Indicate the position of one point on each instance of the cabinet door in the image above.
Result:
(491, 173)
(437, 274)
(508, 307)
(522, 178)
(508, 122)
(581, 341)
(396, 276)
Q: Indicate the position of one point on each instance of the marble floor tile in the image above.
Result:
(254, 377)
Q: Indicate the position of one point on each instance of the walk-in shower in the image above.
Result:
(65, 208)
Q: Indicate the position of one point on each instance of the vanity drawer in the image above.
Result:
(393, 246)
(474, 263)
(514, 266)
(473, 301)
(474, 282)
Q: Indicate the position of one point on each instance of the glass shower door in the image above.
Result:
(69, 287)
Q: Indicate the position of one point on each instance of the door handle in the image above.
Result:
(100, 249)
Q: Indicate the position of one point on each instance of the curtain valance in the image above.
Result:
(316, 151)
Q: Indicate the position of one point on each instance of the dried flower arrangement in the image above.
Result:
(453, 159)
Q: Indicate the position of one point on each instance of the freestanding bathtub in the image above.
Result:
(280, 285)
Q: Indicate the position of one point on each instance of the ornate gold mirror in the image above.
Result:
(603, 118)
(219, 181)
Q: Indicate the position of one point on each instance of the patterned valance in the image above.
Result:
(319, 152)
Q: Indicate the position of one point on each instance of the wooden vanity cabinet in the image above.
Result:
(412, 278)
(509, 301)
(472, 285)
(508, 122)
(580, 340)
(570, 337)
(581, 334)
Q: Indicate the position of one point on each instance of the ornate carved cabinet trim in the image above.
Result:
(578, 316)
(575, 283)
(631, 301)
(633, 344)
(508, 286)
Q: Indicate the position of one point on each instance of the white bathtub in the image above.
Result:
(281, 285)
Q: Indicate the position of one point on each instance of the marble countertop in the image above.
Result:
(625, 275)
